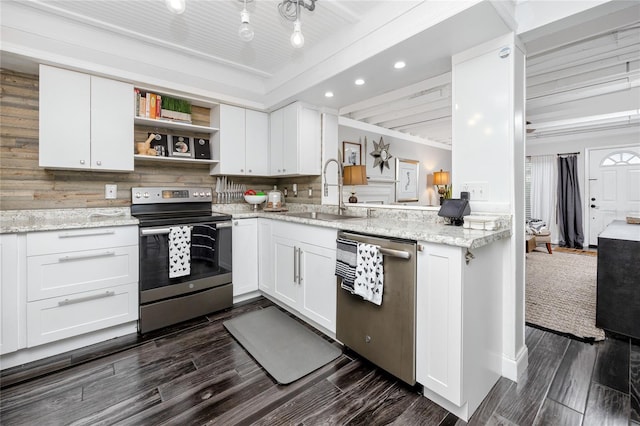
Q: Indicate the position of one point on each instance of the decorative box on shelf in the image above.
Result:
(182, 117)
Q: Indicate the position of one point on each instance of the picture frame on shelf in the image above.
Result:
(407, 173)
(351, 153)
(201, 148)
(181, 146)
(160, 144)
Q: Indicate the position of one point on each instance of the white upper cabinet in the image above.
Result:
(86, 122)
(257, 143)
(295, 141)
(242, 143)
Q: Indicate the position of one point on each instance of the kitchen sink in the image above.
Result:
(323, 216)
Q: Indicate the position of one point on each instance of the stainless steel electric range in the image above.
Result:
(185, 255)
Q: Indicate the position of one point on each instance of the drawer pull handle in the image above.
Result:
(86, 256)
(86, 298)
(90, 234)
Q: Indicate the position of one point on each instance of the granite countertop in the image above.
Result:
(398, 228)
(400, 225)
(621, 230)
(14, 221)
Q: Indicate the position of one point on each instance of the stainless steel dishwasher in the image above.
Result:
(385, 334)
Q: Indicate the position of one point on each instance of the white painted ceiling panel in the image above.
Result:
(210, 28)
(590, 66)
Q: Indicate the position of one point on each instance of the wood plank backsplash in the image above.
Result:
(24, 185)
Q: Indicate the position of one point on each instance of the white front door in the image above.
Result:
(614, 186)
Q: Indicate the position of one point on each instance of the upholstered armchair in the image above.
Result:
(541, 235)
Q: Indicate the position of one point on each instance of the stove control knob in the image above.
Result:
(202, 194)
(195, 194)
(146, 195)
(208, 194)
(138, 195)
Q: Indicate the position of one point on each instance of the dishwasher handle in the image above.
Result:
(402, 254)
(394, 253)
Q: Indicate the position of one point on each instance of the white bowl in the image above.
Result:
(255, 199)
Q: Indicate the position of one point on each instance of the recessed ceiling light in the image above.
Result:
(398, 65)
(328, 94)
(359, 82)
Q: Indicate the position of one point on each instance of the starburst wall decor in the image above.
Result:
(381, 154)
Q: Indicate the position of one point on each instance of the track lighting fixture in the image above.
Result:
(290, 9)
(297, 39)
(245, 31)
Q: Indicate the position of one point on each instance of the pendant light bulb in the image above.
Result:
(176, 6)
(297, 39)
(245, 31)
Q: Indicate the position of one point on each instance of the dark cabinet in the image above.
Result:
(618, 294)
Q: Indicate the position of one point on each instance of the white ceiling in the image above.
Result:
(345, 40)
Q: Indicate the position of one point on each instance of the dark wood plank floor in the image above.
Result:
(196, 373)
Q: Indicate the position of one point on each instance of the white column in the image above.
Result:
(488, 157)
(330, 147)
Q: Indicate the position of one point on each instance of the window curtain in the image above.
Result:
(543, 181)
(569, 203)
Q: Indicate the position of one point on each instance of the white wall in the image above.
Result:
(431, 159)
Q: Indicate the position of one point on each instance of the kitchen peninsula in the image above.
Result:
(455, 267)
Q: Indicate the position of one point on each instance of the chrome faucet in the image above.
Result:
(341, 206)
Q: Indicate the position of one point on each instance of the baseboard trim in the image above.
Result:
(27, 355)
(513, 368)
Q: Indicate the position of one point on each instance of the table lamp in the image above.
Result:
(441, 180)
(354, 175)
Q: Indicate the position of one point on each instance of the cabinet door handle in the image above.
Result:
(86, 256)
(81, 161)
(99, 163)
(86, 298)
(295, 264)
(241, 170)
(85, 234)
(299, 266)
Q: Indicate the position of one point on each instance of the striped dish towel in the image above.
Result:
(346, 262)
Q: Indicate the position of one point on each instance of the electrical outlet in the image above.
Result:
(478, 191)
(110, 192)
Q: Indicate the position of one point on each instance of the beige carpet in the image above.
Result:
(561, 293)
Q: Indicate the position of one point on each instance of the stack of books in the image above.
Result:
(149, 105)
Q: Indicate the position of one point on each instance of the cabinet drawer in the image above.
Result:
(60, 274)
(62, 317)
(80, 239)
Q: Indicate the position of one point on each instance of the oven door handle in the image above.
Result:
(157, 231)
(226, 224)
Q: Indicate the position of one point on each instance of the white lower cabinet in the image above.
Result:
(317, 267)
(79, 281)
(59, 274)
(61, 317)
(285, 258)
(304, 259)
(265, 261)
(245, 256)
(439, 321)
(458, 325)
(12, 277)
